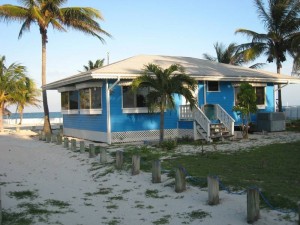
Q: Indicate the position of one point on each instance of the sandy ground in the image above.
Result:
(97, 197)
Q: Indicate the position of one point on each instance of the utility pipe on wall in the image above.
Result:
(108, 89)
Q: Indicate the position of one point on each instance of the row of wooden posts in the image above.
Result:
(253, 198)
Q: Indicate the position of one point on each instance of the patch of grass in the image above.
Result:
(154, 194)
(15, 218)
(293, 125)
(107, 171)
(116, 197)
(198, 214)
(163, 220)
(101, 191)
(23, 194)
(273, 168)
(125, 191)
(112, 207)
(168, 145)
(139, 206)
(57, 203)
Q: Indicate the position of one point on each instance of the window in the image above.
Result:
(65, 100)
(213, 86)
(90, 100)
(260, 95)
(73, 100)
(134, 100)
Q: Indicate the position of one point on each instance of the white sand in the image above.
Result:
(57, 173)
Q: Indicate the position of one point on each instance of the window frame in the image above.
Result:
(207, 84)
(259, 106)
(90, 110)
(135, 109)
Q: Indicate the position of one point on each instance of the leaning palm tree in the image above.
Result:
(49, 12)
(162, 84)
(94, 65)
(282, 24)
(28, 96)
(12, 79)
(229, 55)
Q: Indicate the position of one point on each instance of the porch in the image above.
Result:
(210, 121)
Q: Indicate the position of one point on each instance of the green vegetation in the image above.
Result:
(154, 194)
(23, 194)
(101, 191)
(94, 65)
(164, 83)
(163, 220)
(274, 168)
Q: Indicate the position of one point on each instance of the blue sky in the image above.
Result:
(162, 27)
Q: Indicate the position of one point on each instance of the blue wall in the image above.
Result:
(138, 121)
(225, 98)
(88, 122)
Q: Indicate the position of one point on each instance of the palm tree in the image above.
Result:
(230, 55)
(97, 64)
(282, 23)
(163, 83)
(28, 96)
(12, 79)
(49, 12)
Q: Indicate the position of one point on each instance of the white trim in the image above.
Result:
(88, 85)
(135, 110)
(65, 89)
(237, 84)
(69, 111)
(261, 106)
(86, 134)
(125, 83)
(91, 111)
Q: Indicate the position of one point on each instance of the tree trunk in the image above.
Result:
(21, 117)
(1, 116)
(279, 88)
(47, 125)
(162, 122)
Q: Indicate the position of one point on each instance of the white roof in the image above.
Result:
(200, 69)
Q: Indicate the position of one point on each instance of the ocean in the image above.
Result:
(34, 118)
(35, 115)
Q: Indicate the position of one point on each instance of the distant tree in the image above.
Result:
(97, 64)
(49, 12)
(12, 80)
(162, 84)
(246, 99)
(27, 96)
(282, 24)
(229, 55)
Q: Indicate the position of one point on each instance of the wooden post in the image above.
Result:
(82, 146)
(119, 159)
(40, 135)
(73, 145)
(48, 138)
(53, 138)
(213, 190)
(103, 158)
(156, 172)
(180, 183)
(61, 129)
(17, 129)
(58, 139)
(252, 205)
(92, 151)
(136, 159)
(66, 142)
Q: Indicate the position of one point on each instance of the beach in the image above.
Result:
(90, 193)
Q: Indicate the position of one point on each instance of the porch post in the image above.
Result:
(108, 132)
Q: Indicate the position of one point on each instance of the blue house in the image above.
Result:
(98, 104)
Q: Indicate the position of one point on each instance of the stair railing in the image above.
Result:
(202, 120)
(185, 112)
(225, 118)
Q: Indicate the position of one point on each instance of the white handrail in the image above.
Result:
(202, 120)
(225, 118)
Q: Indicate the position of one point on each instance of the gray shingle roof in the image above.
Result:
(200, 69)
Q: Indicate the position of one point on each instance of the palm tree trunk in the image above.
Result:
(162, 121)
(279, 88)
(47, 125)
(21, 117)
(1, 116)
